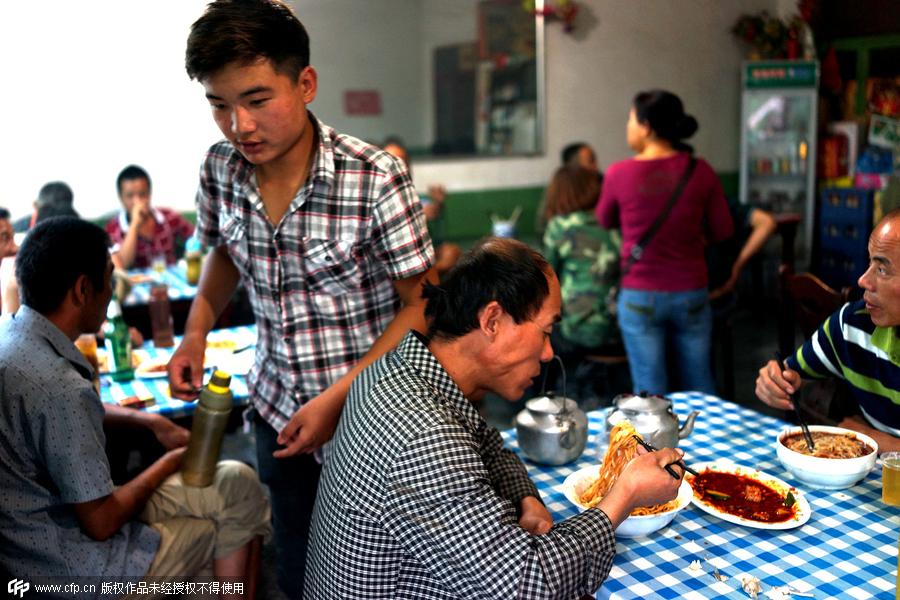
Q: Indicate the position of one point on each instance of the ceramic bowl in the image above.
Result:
(826, 473)
(633, 526)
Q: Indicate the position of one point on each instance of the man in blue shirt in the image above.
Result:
(60, 514)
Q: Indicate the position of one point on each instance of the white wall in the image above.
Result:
(349, 59)
(681, 45)
(90, 87)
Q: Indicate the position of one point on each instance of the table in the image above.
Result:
(245, 338)
(174, 276)
(847, 549)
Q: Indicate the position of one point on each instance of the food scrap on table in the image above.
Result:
(751, 585)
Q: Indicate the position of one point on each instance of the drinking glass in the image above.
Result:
(890, 478)
(87, 345)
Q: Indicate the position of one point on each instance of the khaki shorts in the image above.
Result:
(197, 525)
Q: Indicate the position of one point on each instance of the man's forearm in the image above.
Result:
(128, 247)
(117, 416)
(408, 317)
(886, 442)
(102, 518)
(218, 281)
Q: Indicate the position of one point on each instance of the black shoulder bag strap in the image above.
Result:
(638, 249)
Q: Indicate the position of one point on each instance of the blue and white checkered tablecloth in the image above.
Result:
(244, 339)
(174, 276)
(847, 549)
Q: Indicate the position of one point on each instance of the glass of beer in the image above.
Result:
(87, 345)
(890, 478)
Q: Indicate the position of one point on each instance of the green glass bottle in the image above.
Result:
(116, 332)
(198, 468)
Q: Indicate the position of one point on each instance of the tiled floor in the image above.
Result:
(755, 335)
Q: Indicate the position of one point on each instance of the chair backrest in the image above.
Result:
(806, 301)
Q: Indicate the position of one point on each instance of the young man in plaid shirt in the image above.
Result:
(419, 498)
(324, 231)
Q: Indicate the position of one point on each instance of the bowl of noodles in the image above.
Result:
(840, 459)
(642, 521)
(586, 487)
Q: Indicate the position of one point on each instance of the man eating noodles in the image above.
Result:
(419, 498)
(859, 343)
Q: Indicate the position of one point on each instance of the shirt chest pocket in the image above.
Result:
(234, 236)
(329, 266)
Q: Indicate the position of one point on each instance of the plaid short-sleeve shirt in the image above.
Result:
(170, 228)
(321, 280)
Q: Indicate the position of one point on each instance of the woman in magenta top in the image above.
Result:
(664, 298)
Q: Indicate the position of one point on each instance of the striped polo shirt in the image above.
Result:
(848, 345)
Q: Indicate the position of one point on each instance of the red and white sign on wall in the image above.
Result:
(362, 102)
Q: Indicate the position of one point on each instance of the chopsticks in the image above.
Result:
(803, 426)
(669, 468)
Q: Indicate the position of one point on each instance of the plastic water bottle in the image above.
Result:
(117, 335)
(213, 409)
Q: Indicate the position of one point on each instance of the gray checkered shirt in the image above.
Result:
(320, 281)
(418, 499)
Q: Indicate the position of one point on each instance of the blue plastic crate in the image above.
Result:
(839, 270)
(851, 239)
(846, 206)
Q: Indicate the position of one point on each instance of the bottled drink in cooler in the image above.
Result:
(213, 409)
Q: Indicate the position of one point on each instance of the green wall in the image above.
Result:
(467, 215)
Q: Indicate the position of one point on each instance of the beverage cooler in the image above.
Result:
(778, 141)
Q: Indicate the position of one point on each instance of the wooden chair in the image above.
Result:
(806, 301)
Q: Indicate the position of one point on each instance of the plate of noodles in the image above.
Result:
(747, 496)
(586, 487)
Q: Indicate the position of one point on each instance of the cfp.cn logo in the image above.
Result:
(17, 587)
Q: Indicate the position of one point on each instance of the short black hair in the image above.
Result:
(54, 254)
(56, 193)
(130, 173)
(501, 269)
(244, 31)
(48, 211)
(571, 151)
(4, 214)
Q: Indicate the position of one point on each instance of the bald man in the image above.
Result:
(860, 343)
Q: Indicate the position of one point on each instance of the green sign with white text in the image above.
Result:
(781, 74)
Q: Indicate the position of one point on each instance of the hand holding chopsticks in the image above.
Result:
(806, 434)
(669, 468)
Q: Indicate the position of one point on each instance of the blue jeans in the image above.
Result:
(682, 321)
(293, 483)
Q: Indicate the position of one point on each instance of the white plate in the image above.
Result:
(148, 368)
(800, 517)
(103, 357)
(633, 526)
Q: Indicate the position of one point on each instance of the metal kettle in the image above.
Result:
(552, 430)
(652, 417)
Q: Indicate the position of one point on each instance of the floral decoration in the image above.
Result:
(563, 10)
